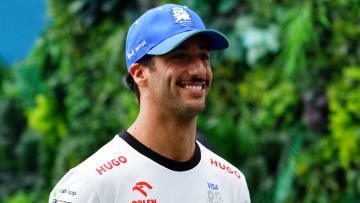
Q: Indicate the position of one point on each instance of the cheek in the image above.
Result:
(170, 78)
(155, 84)
(209, 76)
(162, 83)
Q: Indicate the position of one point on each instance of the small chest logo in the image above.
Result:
(181, 15)
(64, 191)
(139, 187)
(142, 187)
(213, 193)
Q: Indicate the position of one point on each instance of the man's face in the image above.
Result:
(180, 80)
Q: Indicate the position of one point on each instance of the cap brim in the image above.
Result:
(216, 39)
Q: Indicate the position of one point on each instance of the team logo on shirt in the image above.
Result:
(141, 187)
(213, 193)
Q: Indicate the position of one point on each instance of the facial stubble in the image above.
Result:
(177, 106)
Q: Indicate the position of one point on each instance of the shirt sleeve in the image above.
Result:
(74, 188)
(244, 193)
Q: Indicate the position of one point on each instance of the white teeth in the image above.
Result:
(193, 87)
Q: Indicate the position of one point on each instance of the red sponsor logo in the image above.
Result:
(218, 164)
(140, 187)
(111, 164)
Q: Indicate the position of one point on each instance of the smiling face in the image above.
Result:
(180, 80)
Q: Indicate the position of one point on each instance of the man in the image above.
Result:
(157, 159)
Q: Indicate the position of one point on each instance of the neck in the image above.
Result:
(167, 135)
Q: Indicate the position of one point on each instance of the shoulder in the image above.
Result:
(74, 187)
(84, 182)
(227, 172)
(219, 164)
(106, 158)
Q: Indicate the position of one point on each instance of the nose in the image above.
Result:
(198, 67)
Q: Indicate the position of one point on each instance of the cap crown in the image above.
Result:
(157, 25)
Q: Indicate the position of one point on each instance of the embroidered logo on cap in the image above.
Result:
(181, 15)
(132, 53)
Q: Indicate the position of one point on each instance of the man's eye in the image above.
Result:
(181, 58)
(205, 57)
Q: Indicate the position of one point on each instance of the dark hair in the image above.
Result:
(145, 61)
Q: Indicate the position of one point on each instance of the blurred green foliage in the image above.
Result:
(284, 105)
(344, 105)
(19, 197)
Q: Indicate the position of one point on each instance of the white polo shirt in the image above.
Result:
(126, 171)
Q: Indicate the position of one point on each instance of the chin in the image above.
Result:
(197, 109)
(191, 110)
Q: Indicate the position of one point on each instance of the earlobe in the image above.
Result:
(137, 72)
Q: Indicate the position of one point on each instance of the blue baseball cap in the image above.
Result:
(162, 29)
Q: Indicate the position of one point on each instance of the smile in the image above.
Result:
(193, 84)
(194, 87)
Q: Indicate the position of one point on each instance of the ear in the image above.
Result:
(137, 71)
